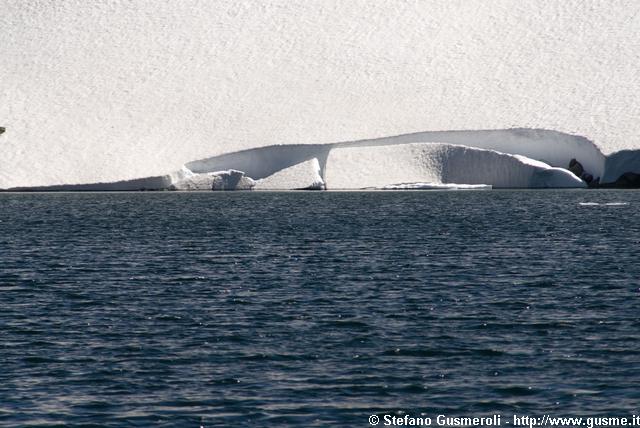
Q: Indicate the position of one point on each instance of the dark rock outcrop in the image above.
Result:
(576, 168)
(2, 129)
(626, 180)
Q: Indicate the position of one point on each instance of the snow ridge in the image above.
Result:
(510, 158)
(439, 163)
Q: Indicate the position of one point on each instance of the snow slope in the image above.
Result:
(384, 166)
(115, 90)
(305, 175)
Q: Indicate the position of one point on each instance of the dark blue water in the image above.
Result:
(316, 309)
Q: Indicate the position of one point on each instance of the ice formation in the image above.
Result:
(305, 175)
(112, 92)
(434, 186)
(402, 162)
(607, 204)
(382, 166)
(216, 180)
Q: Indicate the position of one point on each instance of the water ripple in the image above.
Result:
(315, 309)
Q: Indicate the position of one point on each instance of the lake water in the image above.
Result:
(316, 308)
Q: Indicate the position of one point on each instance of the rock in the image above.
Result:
(2, 129)
(628, 179)
(576, 168)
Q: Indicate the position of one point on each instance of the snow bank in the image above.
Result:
(187, 180)
(389, 161)
(381, 166)
(216, 180)
(552, 147)
(148, 183)
(264, 161)
(436, 186)
(231, 180)
(305, 175)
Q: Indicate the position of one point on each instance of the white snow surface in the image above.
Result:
(436, 186)
(96, 92)
(216, 180)
(383, 166)
(187, 180)
(305, 175)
